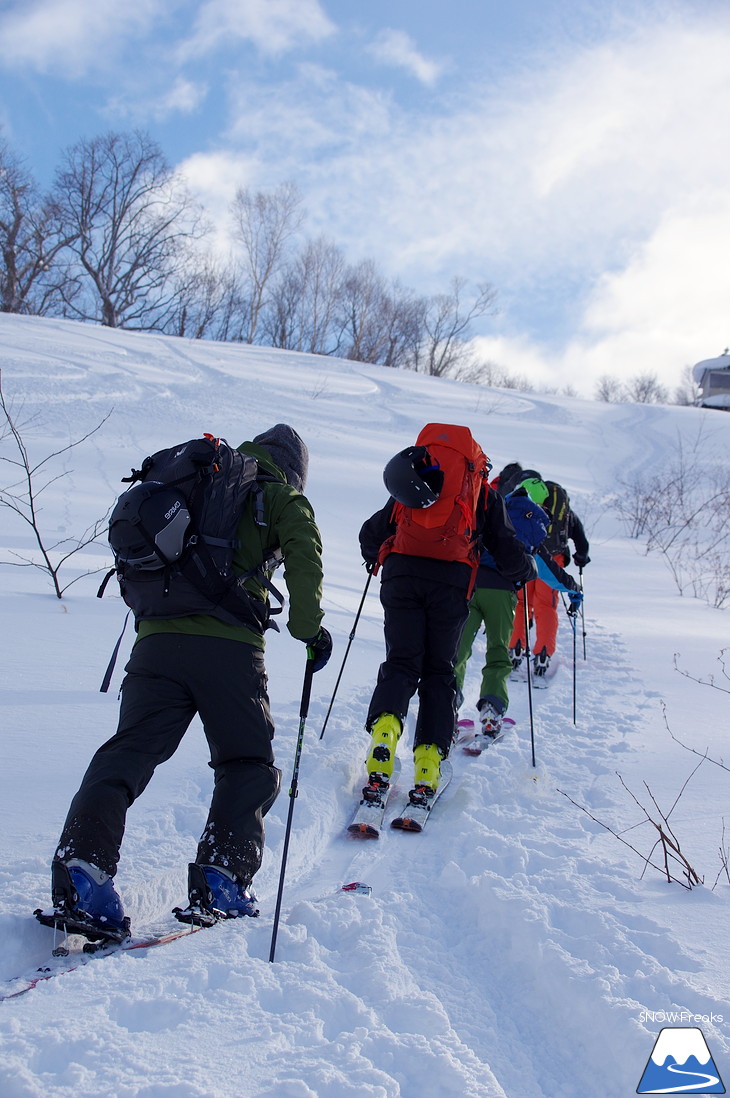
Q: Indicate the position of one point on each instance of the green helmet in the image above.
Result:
(536, 489)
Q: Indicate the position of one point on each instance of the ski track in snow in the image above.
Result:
(519, 898)
(506, 952)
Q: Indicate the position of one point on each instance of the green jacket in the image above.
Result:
(290, 525)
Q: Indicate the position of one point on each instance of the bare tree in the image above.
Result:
(264, 224)
(22, 496)
(492, 375)
(688, 391)
(208, 301)
(684, 513)
(609, 389)
(303, 302)
(403, 319)
(30, 239)
(447, 324)
(130, 220)
(646, 389)
(362, 337)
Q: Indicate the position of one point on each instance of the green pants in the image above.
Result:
(497, 610)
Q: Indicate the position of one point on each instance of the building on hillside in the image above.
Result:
(712, 375)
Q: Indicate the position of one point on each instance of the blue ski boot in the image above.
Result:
(85, 902)
(214, 893)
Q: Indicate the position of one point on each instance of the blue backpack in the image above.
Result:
(530, 521)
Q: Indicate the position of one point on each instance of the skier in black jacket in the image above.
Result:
(542, 599)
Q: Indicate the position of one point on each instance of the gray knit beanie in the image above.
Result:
(288, 451)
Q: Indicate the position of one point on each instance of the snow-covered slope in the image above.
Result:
(514, 948)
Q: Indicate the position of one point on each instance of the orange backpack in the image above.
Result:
(447, 529)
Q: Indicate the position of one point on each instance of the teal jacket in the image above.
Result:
(290, 526)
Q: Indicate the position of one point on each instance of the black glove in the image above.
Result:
(319, 649)
(530, 576)
(371, 566)
(581, 559)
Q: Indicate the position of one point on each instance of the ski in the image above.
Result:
(475, 742)
(415, 813)
(540, 682)
(367, 823)
(70, 960)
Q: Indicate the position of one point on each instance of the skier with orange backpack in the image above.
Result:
(428, 539)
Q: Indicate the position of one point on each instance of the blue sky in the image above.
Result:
(574, 154)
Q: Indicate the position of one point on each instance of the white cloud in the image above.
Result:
(667, 308)
(71, 36)
(218, 175)
(614, 159)
(394, 47)
(273, 26)
(182, 97)
(568, 166)
(214, 178)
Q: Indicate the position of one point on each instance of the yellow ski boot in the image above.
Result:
(427, 766)
(385, 733)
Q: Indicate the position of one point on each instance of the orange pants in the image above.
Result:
(542, 608)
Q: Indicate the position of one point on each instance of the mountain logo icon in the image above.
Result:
(681, 1063)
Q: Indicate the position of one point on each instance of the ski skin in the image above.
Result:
(80, 959)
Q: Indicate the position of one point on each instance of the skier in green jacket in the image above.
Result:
(200, 664)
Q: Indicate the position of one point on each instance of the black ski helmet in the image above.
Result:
(412, 478)
(147, 527)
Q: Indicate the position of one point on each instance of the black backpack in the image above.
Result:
(173, 535)
(558, 507)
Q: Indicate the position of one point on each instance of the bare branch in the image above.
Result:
(704, 755)
(672, 854)
(21, 498)
(724, 853)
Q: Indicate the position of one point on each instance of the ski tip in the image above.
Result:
(363, 831)
(403, 823)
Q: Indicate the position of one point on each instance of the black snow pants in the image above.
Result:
(170, 678)
(423, 622)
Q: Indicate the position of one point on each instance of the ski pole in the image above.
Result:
(574, 623)
(293, 790)
(573, 619)
(347, 652)
(529, 674)
(582, 612)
